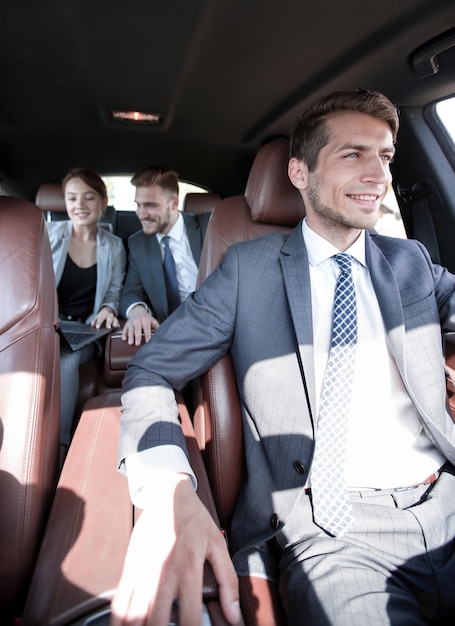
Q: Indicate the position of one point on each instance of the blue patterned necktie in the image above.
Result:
(170, 276)
(332, 507)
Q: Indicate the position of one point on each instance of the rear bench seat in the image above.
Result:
(97, 376)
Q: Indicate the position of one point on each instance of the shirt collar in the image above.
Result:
(176, 231)
(319, 249)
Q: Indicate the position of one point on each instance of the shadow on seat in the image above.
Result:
(29, 395)
(270, 203)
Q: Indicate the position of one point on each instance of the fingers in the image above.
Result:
(136, 330)
(165, 561)
(227, 580)
(106, 316)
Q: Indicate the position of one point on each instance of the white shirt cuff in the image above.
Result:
(147, 469)
(136, 304)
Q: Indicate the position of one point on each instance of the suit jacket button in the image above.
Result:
(299, 467)
(275, 521)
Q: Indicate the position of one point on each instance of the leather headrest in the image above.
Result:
(196, 202)
(50, 197)
(269, 193)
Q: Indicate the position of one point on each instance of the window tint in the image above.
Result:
(121, 192)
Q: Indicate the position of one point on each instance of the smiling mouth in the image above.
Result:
(364, 197)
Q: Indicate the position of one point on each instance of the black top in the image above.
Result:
(76, 291)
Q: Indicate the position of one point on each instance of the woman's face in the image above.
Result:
(84, 205)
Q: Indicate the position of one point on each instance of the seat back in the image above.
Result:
(271, 203)
(29, 394)
(49, 198)
(197, 202)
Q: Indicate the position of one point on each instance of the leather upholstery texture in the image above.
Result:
(196, 202)
(29, 394)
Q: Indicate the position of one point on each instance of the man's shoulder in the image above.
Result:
(396, 245)
(270, 242)
(139, 238)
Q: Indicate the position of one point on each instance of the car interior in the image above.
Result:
(212, 89)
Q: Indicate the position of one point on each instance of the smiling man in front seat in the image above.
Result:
(364, 530)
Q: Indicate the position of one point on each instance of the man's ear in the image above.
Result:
(298, 173)
(175, 203)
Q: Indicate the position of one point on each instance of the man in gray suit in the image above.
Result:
(270, 304)
(144, 299)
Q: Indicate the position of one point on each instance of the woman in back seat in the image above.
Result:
(89, 266)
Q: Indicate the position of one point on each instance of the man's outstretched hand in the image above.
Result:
(165, 560)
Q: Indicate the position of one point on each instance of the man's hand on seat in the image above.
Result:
(165, 560)
(139, 325)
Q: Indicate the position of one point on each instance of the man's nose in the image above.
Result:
(377, 170)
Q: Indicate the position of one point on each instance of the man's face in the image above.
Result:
(156, 209)
(352, 175)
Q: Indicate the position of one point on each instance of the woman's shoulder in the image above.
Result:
(59, 228)
(106, 235)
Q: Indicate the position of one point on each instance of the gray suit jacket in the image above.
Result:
(144, 280)
(257, 305)
(110, 262)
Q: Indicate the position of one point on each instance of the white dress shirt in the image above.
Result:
(386, 445)
(185, 264)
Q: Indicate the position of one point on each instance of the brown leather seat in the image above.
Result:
(271, 203)
(29, 395)
(197, 202)
(90, 524)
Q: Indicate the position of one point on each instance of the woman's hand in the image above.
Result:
(106, 316)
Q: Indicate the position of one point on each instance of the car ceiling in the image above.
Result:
(226, 75)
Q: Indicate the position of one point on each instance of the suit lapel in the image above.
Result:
(389, 299)
(294, 264)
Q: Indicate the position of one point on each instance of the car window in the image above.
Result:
(390, 222)
(121, 192)
(445, 110)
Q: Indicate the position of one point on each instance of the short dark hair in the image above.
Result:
(310, 133)
(90, 178)
(157, 175)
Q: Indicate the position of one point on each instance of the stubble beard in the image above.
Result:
(332, 219)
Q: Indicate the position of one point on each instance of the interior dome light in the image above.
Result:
(138, 117)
